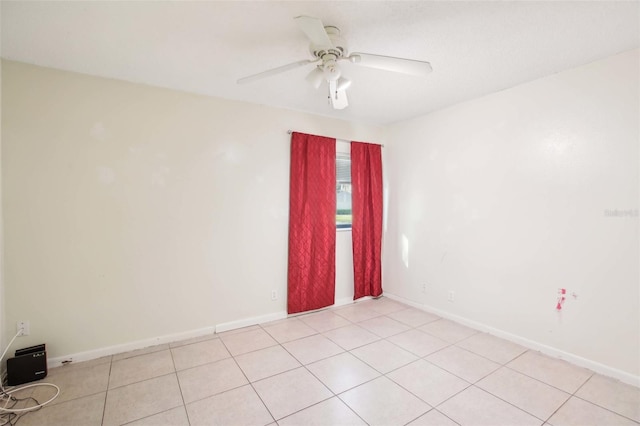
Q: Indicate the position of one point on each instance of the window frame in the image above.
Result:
(342, 154)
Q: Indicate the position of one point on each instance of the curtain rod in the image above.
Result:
(381, 144)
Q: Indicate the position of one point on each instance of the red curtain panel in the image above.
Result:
(312, 223)
(366, 228)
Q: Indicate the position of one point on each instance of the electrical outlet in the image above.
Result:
(451, 296)
(22, 327)
(274, 294)
(424, 287)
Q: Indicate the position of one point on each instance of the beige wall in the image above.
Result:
(503, 200)
(133, 212)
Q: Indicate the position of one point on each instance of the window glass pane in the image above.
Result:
(343, 190)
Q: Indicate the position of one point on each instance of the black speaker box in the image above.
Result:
(28, 365)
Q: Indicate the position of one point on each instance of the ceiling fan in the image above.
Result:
(328, 48)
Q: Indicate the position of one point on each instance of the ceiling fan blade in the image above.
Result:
(275, 71)
(337, 98)
(389, 63)
(314, 29)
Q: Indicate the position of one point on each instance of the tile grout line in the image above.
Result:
(350, 351)
(424, 414)
(106, 393)
(312, 375)
(334, 395)
(433, 407)
(385, 375)
(380, 374)
(510, 403)
(570, 395)
(500, 365)
(470, 385)
(175, 371)
(604, 408)
(249, 382)
(574, 395)
(474, 384)
(535, 378)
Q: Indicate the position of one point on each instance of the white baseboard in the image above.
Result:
(339, 302)
(342, 302)
(349, 301)
(405, 301)
(170, 338)
(246, 322)
(145, 343)
(603, 369)
(126, 347)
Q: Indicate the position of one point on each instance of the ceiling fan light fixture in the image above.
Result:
(343, 84)
(315, 77)
(327, 48)
(331, 70)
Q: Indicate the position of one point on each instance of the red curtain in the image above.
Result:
(366, 228)
(312, 223)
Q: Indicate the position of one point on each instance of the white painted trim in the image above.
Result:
(281, 315)
(603, 369)
(170, 338)
(246, 322)
(340, 302)
(126, 347)
(405, 301)
(349, 301)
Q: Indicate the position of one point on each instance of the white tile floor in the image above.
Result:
(375, 362)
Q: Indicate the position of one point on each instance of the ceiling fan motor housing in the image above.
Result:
(336, 51)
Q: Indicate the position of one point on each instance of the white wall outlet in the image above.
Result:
(451, 296)
(22, 328)
(274, 294)
(424, 287)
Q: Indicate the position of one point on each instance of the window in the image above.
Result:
(343, 191)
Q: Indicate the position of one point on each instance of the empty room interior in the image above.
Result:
(169, 259)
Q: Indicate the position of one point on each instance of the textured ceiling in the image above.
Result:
(475, 47)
